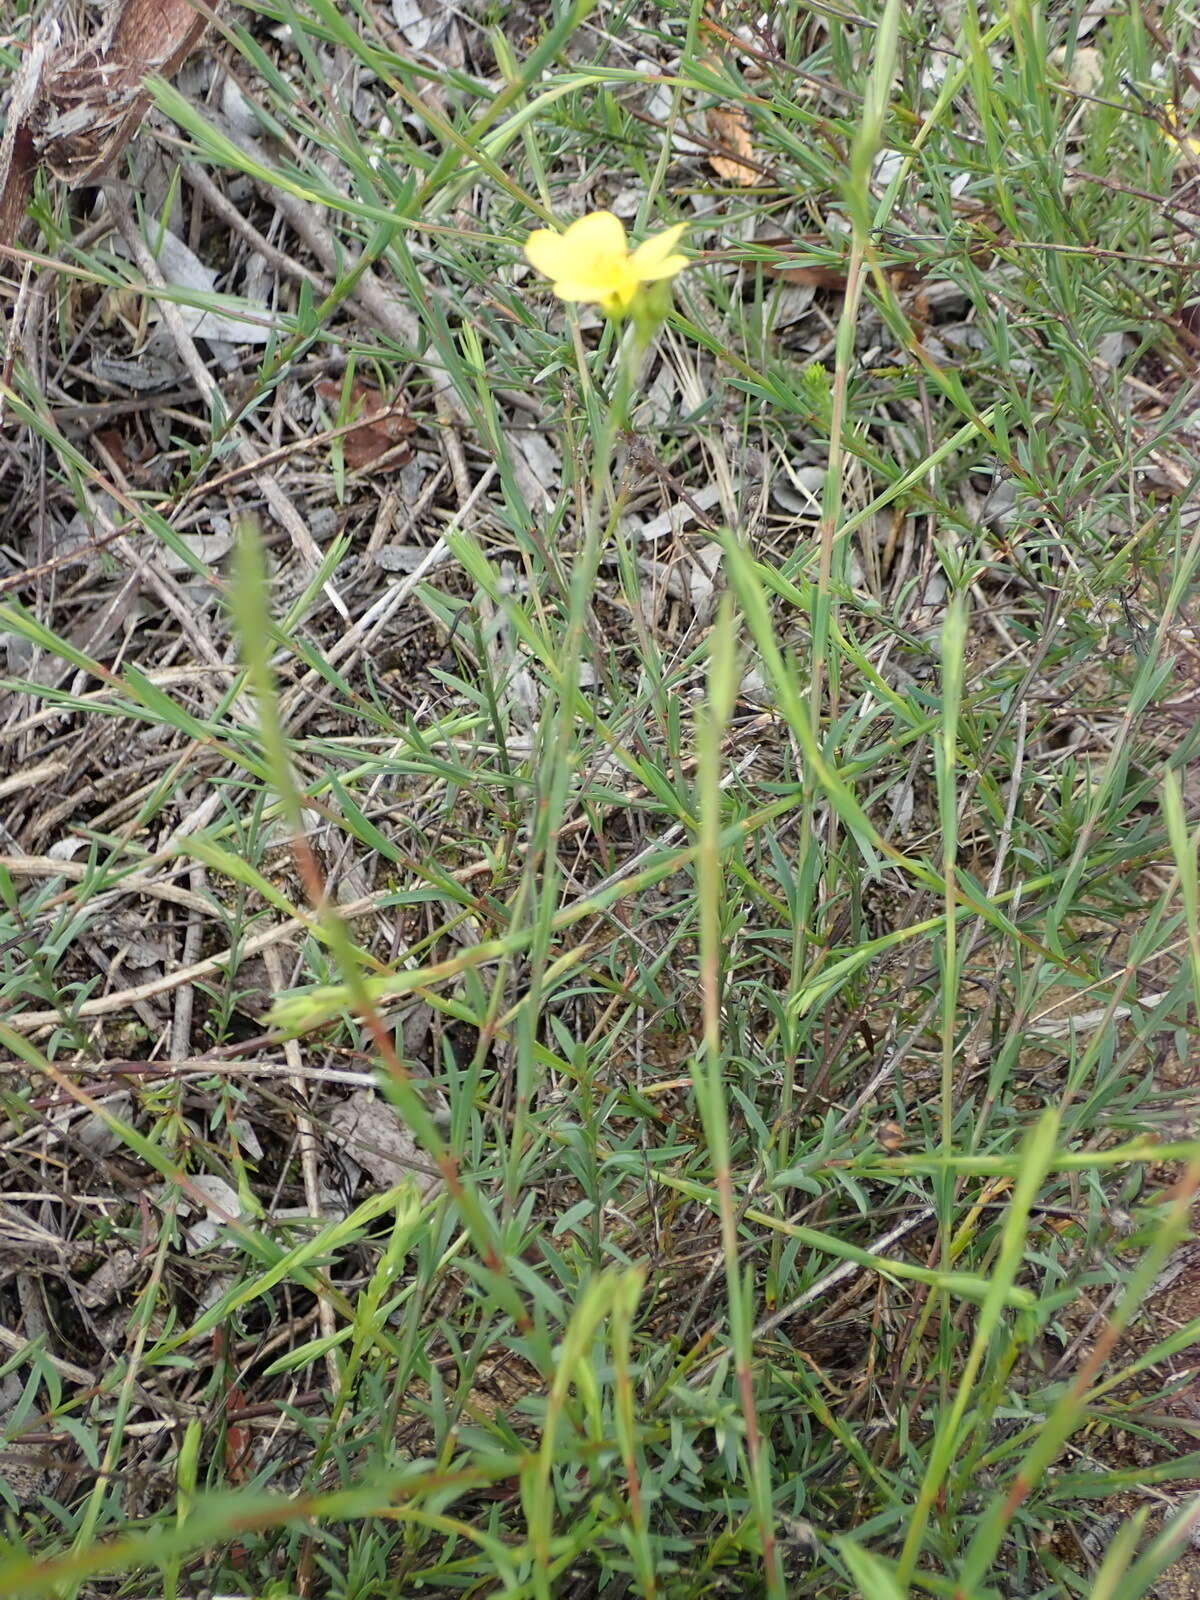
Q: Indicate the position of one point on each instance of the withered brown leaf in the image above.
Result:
(729, 126)
(375, 427)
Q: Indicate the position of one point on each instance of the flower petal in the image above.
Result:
(599, 234)
(614, 290)
(653, 258)
(547, 251)
(580, 289)
(591, 257)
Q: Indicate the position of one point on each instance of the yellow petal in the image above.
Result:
(653, 259)
(614, 289)
(547, 251)
(591, 257)
(597, 235)
(581, 289)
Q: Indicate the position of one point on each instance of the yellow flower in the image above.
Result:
(592, 260)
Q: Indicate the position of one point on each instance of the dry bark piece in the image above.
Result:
(18, 155)
(76, 108)
(372, 1135)
(221, 1201)
(183, 269)
(111, 1278)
